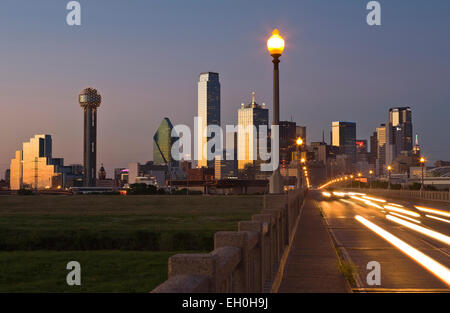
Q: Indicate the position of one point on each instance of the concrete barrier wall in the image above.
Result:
(245, 261)
(409, 194)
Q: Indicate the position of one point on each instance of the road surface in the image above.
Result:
(361, 242)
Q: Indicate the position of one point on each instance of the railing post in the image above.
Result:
(194, 264)
(257, 227)
(240, 240)
(276, 236)
(268, 252)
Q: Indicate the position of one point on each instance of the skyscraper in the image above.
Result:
(33, 166)
(381, 148)
(208, 111)
(399, 132)
(90, 100)
(162, 143)
(344, 137)
(250, 115)
(288, 138)
(401, 117)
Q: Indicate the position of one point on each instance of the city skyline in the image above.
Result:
(385, 73)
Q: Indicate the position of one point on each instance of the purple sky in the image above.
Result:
(144, 57)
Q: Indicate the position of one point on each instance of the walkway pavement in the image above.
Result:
(312, 264)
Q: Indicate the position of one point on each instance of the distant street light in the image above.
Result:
(299, 143)
(275, 45)
(371, 175)
(389, 168)
(422, 163)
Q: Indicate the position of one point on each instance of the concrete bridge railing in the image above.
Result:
(409, 194)
(243, 261)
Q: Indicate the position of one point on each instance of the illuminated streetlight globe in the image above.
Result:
(275, 44)
(299, 141)
(89, 97)
(422, 160)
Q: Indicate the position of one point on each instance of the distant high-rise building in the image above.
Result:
(33, 166)
(344, 137)
(7, 175)
(399, 132)
(361, 150)
(373, 148)
(90, 101)
(288, 138)
(208, 111)
(402, 118)
(301, 132)
(162, 143)
(381, 148)
(250, 115)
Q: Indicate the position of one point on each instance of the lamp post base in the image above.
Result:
(275, 183)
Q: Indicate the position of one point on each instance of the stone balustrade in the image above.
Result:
(243, 261)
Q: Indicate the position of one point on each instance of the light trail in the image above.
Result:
(404, 211)
(374, 199)
(405, 217)
(438, 218)
(326, 194)
(395, 204)
(434, 211)
(439, 270)
(427, 232)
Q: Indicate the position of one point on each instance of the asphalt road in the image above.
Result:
(361, 245)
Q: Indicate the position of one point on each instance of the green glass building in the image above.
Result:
(162, 143)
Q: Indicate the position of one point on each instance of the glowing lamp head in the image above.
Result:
(389, 168)
(422, 160)
(303, 160)
(299, 141)
(275, 44)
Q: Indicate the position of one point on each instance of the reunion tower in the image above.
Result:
(90, 100)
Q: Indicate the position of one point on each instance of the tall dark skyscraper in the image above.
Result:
(90, 100)
(344, 137)
(399, 132)
(208, 111)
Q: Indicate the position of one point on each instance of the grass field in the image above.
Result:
(122, 243)
(101, 271)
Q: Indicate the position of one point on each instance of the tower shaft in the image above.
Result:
(90, 146)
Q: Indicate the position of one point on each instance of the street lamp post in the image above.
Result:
(299, 143)
(370, 177)
(422, 163)
(275, 45)
(389, 168)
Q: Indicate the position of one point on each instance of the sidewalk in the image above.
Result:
(312, 264)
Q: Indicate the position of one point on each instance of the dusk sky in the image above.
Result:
(145, 57)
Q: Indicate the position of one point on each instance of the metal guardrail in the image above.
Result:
(243, 261)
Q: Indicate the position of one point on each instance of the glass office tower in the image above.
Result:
(250, 115)
(32, 167)
(344, 137)
(208, 111)
(162, 143)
